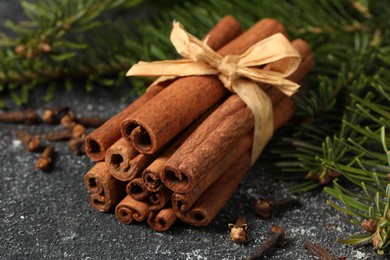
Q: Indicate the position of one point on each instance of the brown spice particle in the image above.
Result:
(28, 116)
(32, 143)
(265, 208)
(44, 162)
(238, 231)
(318, 251)
(277, 237)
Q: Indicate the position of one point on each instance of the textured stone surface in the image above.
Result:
(47, 215)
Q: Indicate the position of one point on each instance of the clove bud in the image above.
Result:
(76, 131)
(44, 162)
(68, 120)
(238, 230)
(265, 208)
(32, 143)
(53, 116)
(277, 237)
(28, 116)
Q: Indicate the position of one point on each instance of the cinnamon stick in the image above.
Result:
(159, 199)
(184, 100)
(183, 201)
(105, 190)
(130, 209)
(136, 189)
(124, 162)
(151, 175)
(162, 220)
(214, 198)
(200, 152)
(99, 140)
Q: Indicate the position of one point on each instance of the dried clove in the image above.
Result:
(277, 237)
(32, 143)
(28, 116)
(265, 208)
(53, 116)
(238, 230)
(318, 251)
(44, 162)
(76, 131)
(68, 120)
(91, 121)
(77, 145)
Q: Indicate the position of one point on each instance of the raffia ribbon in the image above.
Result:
(240, 74)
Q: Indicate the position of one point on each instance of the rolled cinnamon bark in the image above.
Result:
(183, 170)
(205, 208)
(99, 140)
(103, 137)
(183, 201)
(204, 148)
(214, 198)
(184, 100)
(124, 162)
(137, 190)
(151, 175)
(162, 220)
(159, 199)
(130, 209)
(105, 190)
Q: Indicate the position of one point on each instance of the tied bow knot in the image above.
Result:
(228, 69)
(240, 74)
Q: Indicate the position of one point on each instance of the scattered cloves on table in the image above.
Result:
(238, 230)
(265, 208)
(44, 162)
(28, 116)
(91, 121)
(318, 251)
(76, 131)
(53, 115)
(68, 120)
(32, 143)
(277, 237)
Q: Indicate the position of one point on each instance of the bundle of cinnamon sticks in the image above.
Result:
(180, 150)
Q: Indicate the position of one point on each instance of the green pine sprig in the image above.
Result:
(341, 132)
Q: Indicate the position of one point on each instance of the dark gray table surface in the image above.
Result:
(47, 215)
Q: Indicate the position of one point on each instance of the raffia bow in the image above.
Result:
(239, 73)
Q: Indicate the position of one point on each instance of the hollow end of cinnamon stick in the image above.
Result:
(152, 182)
(179, 203)
(92, 184)
(160, 199)
(99, 202)
(136, 189)
(129, 209)
(162, 220)
(94, 149)
(198, 218)
(177, 181)
(94, 177)
(141, 139)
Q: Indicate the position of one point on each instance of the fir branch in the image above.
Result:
(342, 126)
